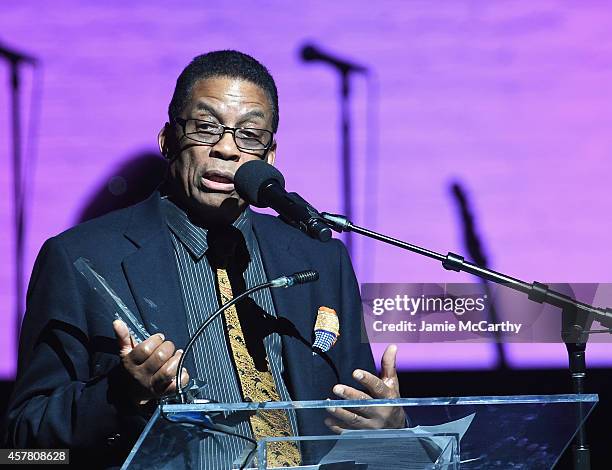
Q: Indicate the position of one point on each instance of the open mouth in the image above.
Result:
(218, 181)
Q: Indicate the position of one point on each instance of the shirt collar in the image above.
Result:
(194, 236)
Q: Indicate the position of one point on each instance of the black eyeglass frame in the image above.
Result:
(183, 123)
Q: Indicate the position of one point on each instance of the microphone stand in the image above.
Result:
(474, 248)
(574, 313)
(14, 58)
(344, 68)
(347, 176)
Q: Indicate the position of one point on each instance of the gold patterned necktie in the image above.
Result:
(257, 386)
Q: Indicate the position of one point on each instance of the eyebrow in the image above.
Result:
(200, 106)
(204, 107)
(254, 113)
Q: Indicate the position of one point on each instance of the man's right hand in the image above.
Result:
(151, 364)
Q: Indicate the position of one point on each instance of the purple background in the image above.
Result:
(510, 98)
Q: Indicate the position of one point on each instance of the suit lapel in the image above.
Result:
(154, 283)
(152, 275)
(278, 252)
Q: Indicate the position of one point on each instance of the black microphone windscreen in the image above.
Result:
(305, 276)
(309, 53)
(251, 176)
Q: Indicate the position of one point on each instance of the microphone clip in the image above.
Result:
(313, 223)
(337, 222)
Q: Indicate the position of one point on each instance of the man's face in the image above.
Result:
(203, 174)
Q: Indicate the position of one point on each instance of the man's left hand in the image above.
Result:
(380, 417)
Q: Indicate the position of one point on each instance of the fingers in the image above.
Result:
(171, 387)
(388, 363)
(159, 357)
(166, 374)
(378, 417)
(185, 378)
(152, 365)
(350, 393)
(334, 425)
(375, 386)
(387, 386)
(122, 333)
(354, 418)
(143, 351)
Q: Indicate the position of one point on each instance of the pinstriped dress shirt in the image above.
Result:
(212, 354)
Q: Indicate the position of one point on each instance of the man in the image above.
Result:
(84, 384)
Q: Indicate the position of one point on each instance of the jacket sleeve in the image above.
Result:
(357, 351)
(61, 398)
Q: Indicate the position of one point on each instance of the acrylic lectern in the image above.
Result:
(489, 432)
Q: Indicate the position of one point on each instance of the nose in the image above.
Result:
(226, 147)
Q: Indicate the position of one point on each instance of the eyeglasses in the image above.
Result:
(206, 132)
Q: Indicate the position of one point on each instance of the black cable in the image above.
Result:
(248, 458)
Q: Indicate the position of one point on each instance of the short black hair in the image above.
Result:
(226, 63)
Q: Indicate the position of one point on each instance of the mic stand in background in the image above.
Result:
(14, 59)
(344, 68)
(576, 315)
(347, 176)
(476, 253)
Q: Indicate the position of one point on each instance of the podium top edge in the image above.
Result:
(437, 401)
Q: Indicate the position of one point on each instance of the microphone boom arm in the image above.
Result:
(535, 291)
(574, 313)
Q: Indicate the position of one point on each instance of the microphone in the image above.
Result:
(298, 278)
(301, 277)
(262, 185)
(311, 53)
(15, 56)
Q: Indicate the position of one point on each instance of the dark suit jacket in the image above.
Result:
(69, 383)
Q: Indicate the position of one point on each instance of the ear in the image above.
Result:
(271, 155)
(165, 140)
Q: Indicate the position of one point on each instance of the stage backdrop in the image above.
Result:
(510, 99)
